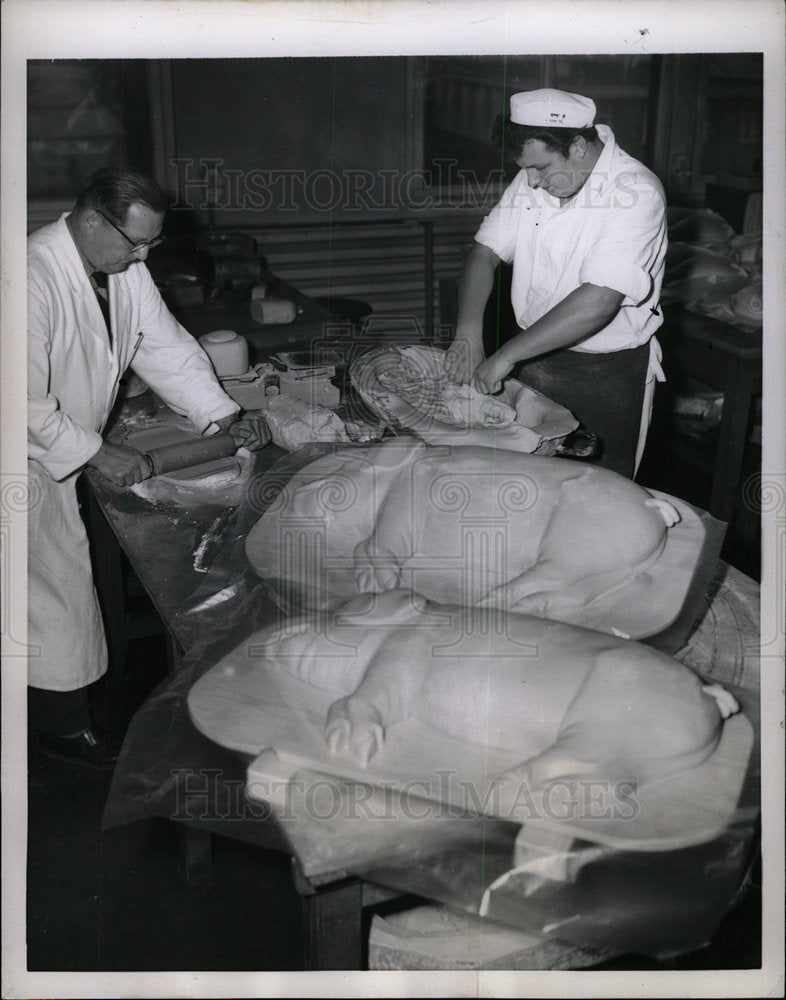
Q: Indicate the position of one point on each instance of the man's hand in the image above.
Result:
(120, 464)
(490, 373)
(250, 431)
(474, 287)
(462, 358)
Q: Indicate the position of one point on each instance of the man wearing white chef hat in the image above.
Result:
(584, 226)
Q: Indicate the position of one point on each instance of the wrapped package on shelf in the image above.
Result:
(711, 270)
(694, 273)
(699, 226)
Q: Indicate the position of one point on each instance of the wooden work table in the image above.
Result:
(169, 769)
(198, 780)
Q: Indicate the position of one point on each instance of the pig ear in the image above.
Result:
(418, 602)
(361, 605)
(399, 605)
(390, 607)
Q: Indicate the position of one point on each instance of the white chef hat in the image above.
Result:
(554, 108)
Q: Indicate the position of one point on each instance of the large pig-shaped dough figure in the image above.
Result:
(463, 525)
(565, 703)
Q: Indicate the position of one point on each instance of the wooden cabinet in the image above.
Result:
(722, 357)
(708, 124)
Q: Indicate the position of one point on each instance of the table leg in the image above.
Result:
(732, 440)
(332, 921)
(195, 852)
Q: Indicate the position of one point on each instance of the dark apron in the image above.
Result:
(603, 391)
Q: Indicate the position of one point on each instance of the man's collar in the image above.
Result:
(601, 168)
(89, 269)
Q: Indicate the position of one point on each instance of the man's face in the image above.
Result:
(111, 251)
(559, 176)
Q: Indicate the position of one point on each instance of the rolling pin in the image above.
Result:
(184, 454)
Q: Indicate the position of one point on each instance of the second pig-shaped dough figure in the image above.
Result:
(471, 526)
(395, 691)
(560, 702)
(596, 705)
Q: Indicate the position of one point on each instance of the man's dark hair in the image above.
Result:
(115, 189)
(510, 137)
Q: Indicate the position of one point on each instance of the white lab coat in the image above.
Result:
(73, 374)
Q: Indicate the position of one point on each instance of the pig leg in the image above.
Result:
(354, 726)
(540, 591)
(376, 568)
(547, 592)
(387, 693)
(378, 559)
(589, 548)
(579, 753)
(625, 726)
(570, 774)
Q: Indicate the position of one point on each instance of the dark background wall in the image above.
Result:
(306, 137)
(320, 140)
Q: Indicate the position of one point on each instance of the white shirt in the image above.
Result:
(611, 233)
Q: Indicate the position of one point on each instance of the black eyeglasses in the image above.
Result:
(135, 247)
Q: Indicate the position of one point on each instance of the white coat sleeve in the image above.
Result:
(54, 440)
(173, 364)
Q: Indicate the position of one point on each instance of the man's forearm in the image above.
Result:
(585, 311)
(579, 315)
(475, 283)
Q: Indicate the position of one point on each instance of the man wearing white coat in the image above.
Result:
(93, 311)
(584, 226)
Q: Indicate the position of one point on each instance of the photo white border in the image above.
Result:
(157, 29)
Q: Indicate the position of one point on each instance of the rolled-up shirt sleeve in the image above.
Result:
(632, 238)
(173, 364)
(499, 229)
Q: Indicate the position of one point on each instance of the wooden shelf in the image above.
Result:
(725, 358)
